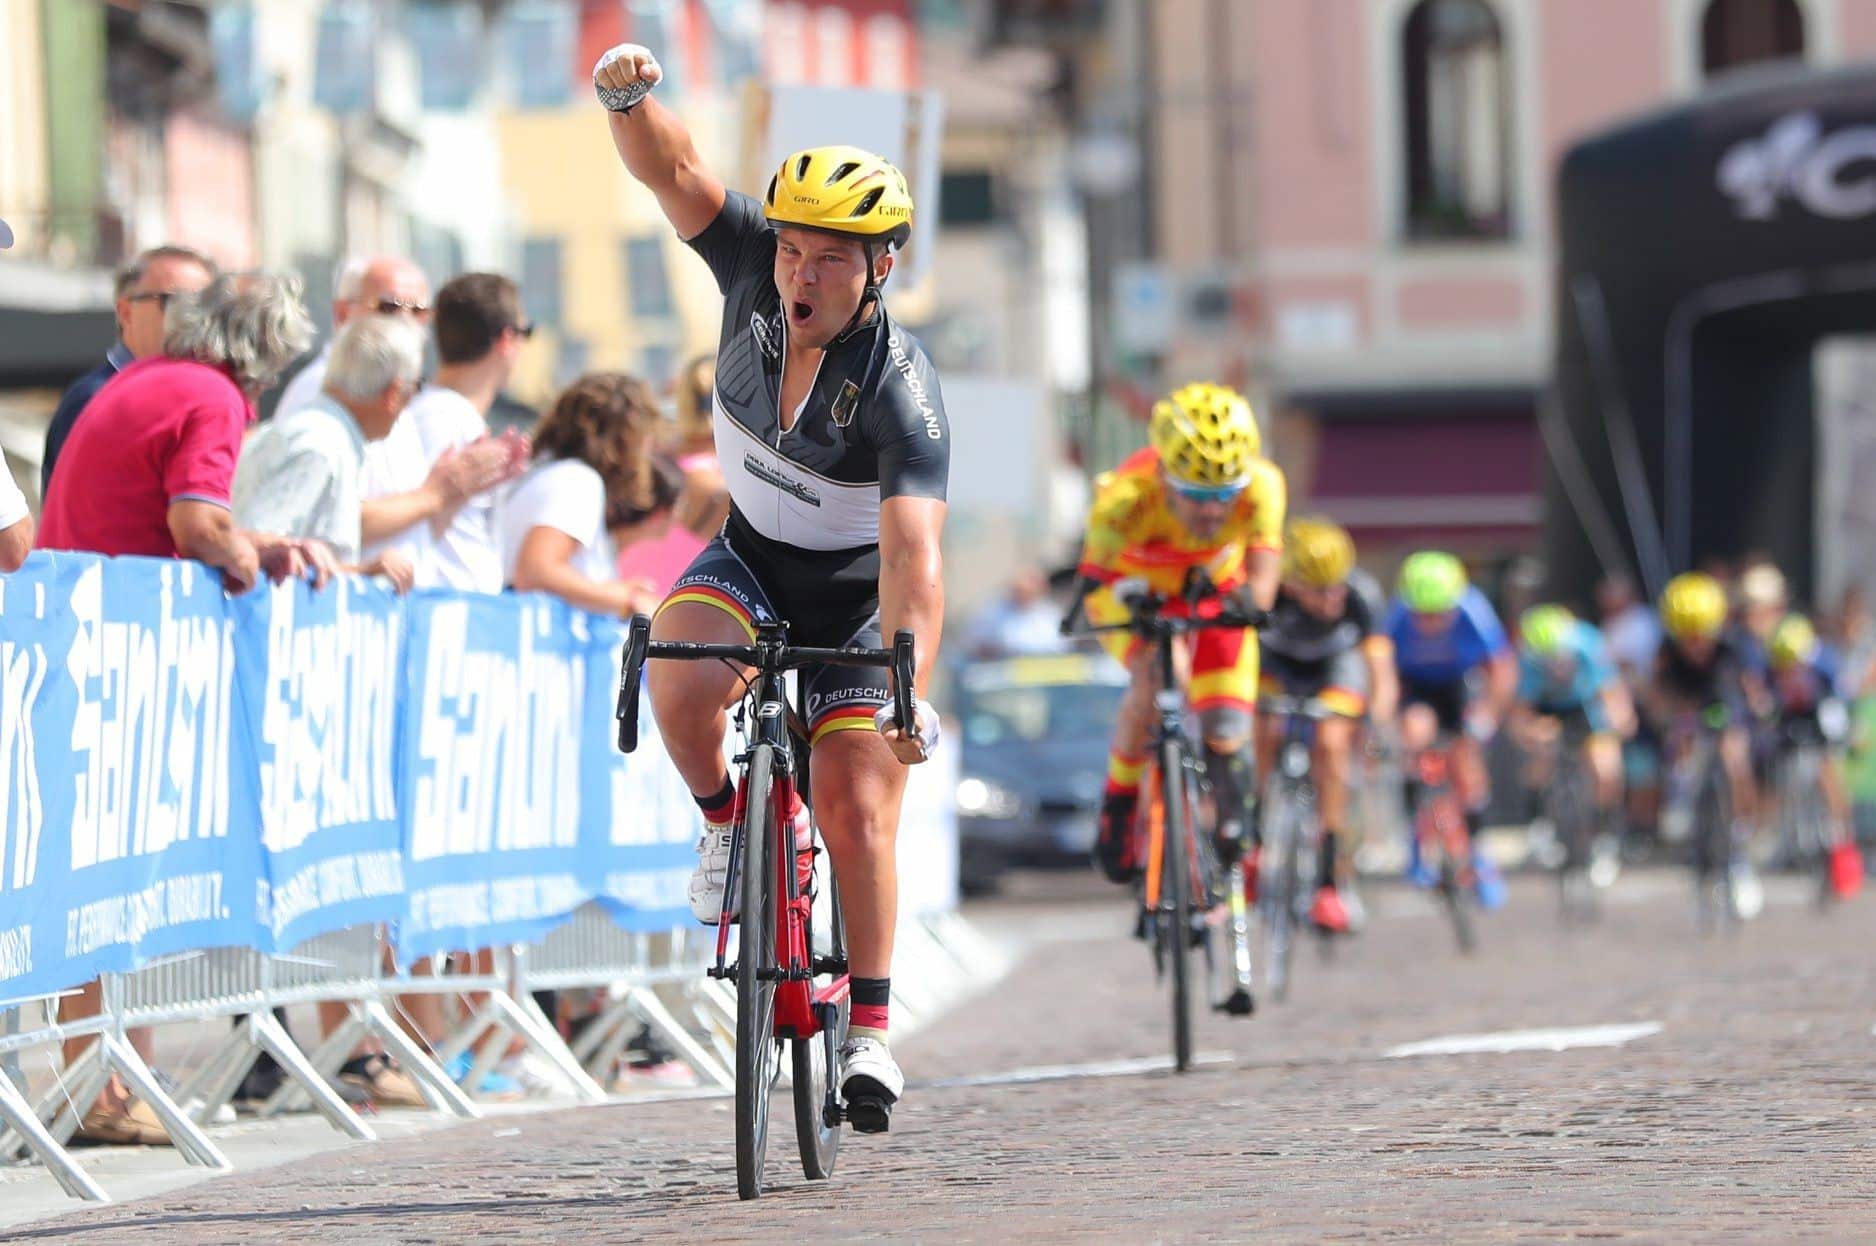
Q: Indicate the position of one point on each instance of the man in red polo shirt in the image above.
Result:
(153, 460)
(150, 471)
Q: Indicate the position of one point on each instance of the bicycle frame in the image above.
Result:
(802, 1011)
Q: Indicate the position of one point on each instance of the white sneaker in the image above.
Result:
(711, 875)
(870, 1082)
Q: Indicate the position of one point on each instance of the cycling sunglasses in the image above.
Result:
(1205, 493)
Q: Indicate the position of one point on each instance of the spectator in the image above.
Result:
(383, 285)
(150, 471)
(1025, 621)
(593, 473)
(144, 289)
(1629, 627)
(16, 522)
(705, 503)
(479, 332)
(302, 475)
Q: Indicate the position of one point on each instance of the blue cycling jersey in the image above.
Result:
(1572, 677)
(1471, 637)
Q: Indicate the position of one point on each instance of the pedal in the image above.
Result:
(869, 1106)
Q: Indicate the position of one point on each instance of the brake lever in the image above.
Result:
(904, 692)
(631, 667)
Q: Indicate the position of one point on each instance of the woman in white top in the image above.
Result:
(592, 473)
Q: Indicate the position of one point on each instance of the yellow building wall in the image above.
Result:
(23, 189)
(565, 181)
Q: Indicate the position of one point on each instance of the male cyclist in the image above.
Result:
(1324, 642)
(1200, 498)
(1809, 710)
(1444, 631)
(1567, 680)
(835, 449)
(1700, 674)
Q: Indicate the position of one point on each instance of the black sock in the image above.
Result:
(870, 999)
(716, 808)
(1325, 869)
(1234, 778)
(1475, 822)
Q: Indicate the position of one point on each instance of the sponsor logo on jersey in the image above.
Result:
(845, 404)
(765, 336)
(771, 476)
(902, 360)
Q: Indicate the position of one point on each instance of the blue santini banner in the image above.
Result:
(317, 676)
(180, 769)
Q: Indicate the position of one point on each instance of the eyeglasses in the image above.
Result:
(160, 297)
(524, 330)
(393, 307)
(1205, 493)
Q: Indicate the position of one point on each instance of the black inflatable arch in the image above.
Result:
(1705, 250)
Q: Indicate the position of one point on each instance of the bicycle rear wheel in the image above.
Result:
(814, 1063)
(1175, 900)
(758, 1051)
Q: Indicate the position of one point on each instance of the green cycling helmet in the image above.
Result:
(1432, 581)
(1544, 629)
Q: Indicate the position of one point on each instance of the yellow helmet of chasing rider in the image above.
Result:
(1317, 552)
(1794, 642)
(1693, 605)
(1206, 436)
(1544, 629)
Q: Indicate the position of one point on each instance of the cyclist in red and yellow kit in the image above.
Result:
(1200, 497)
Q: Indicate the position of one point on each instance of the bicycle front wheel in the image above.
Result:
(1175, 892)
(815, 1058)
(758, 1053)
(1277, 887)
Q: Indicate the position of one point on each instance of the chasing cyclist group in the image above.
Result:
(1433, 666)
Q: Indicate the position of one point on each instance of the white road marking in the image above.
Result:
(1527, 1040)
(1064, 1072)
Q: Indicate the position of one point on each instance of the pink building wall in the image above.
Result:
(210, 174)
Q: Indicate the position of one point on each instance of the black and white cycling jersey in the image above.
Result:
(806, 501)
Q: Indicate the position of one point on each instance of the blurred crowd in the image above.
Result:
(366, 467)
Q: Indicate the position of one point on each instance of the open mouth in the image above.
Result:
(800, 312)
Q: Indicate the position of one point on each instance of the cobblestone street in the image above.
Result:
(1044, 1111)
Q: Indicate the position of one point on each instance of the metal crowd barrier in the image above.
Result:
(353, 967)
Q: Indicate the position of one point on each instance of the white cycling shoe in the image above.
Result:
(870, 1083)
(711, 875)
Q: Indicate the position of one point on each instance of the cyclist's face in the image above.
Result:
(1697, 649)
(1326, 604)
(1204, 519)
(1435, 623)
(821, 279)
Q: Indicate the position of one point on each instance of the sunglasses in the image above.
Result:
(522, 331)
(393, 307)
(1205, 493)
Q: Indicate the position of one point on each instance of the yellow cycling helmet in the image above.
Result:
(1317, 552)
(844, 191)
(1794, 641)
(1693, 604)
(1206, 436)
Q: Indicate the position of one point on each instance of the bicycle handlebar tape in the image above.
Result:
(637, 643)
(623, 99)
(904, 668)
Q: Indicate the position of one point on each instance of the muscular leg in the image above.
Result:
(691, 699)
(1334, 741)
(1736, 756)
(858, 789)
(1602, 757)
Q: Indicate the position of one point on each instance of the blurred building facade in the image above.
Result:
(1345, 206)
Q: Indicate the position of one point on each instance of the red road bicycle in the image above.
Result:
(791, 980)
